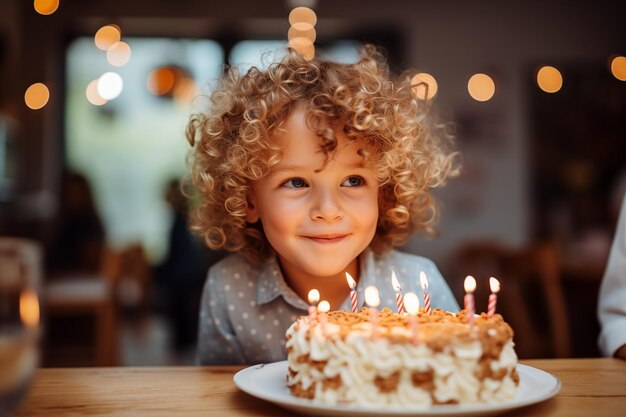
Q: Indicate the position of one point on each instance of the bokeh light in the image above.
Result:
(302, 26)
(302, 18)
(110, 85)
(424, 86)
(46, 7)
(119, 54)
(481, 87)
(549, 79)
(185, 90)
(92, 94)
(107, 36)
(36, 96)
(308, 52)
(300, 42)
(296, 33)
(160, 81)
(172, 82)
(29, 308)
(618, 67)
(303, 46)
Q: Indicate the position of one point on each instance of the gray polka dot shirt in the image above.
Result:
(246, 310)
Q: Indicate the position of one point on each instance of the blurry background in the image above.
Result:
(94, 181)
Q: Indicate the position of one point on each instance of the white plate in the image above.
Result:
(268, 382)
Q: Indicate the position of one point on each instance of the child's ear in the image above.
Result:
(252, 213)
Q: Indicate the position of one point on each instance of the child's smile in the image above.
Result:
(327, 239)
(318, 221)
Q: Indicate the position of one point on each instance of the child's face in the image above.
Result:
(317, 222)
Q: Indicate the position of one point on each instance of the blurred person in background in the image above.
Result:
(180, 276)
(80, 237)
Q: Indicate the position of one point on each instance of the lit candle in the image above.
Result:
(398, 289)
(372, 298)
(314, 297)
(470, 286)
(322, 308)
(424, 283)
(412, 305)
(352, 285)
(494, 284)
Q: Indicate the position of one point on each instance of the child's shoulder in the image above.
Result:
(234, 266)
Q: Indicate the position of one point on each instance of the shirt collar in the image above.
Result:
(271, 282)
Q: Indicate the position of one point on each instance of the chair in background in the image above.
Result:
(130, 270)
(531, 299)
(122, 284)
(91, 295)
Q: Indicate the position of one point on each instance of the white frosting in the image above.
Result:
(359, 361)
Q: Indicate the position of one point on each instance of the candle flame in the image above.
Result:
(323, 306)
(411, 303)
(351, 281)
(394, 282)
(314, 296)
(372, 298)
(494, 284)
(29, 308)
(423, 280)
(469, 284)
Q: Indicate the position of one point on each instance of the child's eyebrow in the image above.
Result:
(288, 168)
(275, 169)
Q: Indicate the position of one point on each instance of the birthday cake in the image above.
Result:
(439, 358)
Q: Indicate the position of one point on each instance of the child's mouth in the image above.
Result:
(327, 238)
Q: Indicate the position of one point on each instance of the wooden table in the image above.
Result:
(590, 387)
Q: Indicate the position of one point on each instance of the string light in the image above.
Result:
(185, 90)
(618, 67)
(119, 54)
(110, 85)
(160, 81)
(302, 18)
(424, 86)
(107, 36)
(481, 87)
(302, 32)
(46, 7)
(92, 94)
(549, 79)
(37, 96)
(296, 33)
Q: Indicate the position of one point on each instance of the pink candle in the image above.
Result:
(494, 284)
(372, 298)
(470, 286)
(412, 305)
(352, 285)
(424, 283)
(398, 289)
(314, 297)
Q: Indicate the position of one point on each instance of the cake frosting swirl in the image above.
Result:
(336, 358)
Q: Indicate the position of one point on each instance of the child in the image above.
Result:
(309, 170)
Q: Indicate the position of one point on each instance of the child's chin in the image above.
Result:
(322, 269)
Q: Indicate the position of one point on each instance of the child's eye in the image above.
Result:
(295, 183)
(353, 181)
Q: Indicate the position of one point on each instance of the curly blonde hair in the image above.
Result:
(232, 146)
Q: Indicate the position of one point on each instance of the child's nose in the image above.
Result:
(326, 207)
